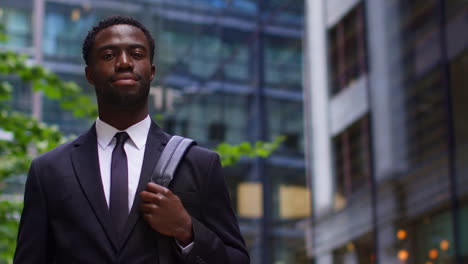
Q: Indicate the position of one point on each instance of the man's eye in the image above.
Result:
(108, 56)
(138, 55)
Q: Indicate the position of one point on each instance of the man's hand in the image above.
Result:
(164, 212)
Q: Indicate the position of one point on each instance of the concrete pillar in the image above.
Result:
(38, 26)
(385, 82)
(388, 132)
(317, 107)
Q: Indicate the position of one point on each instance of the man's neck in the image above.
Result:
(122, 118)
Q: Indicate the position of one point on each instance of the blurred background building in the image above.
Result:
(372, 96)
(386, 91)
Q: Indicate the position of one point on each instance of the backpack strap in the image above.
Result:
(170, 158)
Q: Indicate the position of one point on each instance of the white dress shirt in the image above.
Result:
(134, 148)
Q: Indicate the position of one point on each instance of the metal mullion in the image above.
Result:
(365, 144)
(346, 162)
(451, 144)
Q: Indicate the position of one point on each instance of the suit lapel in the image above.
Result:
(155, 143)
(85, 161)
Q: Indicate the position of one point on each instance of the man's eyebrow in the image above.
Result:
(132, 46)
(137, 46)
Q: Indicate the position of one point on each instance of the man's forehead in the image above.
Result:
(121, 33)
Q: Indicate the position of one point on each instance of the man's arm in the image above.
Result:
(216, 235)
(33, 237)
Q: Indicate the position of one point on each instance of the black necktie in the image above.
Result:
(118, 205)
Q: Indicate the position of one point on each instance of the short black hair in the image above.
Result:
(111, 21)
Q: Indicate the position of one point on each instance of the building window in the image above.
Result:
(217, 131)
(426, 121)
(169, 125)
(428, 239)
(347, 54)
(283, 63)
(352, 161)
(184, 127)
(176, 126)
(17, 26)
(292, 141)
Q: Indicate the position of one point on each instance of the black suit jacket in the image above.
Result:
(66, 220)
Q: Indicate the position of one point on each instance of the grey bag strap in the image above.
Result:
(170, 159)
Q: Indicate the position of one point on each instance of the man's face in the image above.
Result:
(119, 67)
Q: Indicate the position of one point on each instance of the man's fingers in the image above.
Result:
(147, 217)
(156, 198)
(148, 208)
(155, 188)
(147, 196)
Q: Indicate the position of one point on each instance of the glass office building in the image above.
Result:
(227, 71)
(386, 116)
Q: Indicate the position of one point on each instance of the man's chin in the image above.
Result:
(130, 101)
(125, 96)
(126, 87)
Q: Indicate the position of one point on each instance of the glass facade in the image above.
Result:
(227, 71)
(431, 205)
(17, 22)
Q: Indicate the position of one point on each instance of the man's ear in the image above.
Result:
(89, 76)
(153, 71)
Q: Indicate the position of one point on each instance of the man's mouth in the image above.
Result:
(125, 82)
(125, 79)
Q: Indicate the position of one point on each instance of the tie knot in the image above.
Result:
(121, 137)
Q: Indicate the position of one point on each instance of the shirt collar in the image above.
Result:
(137, 132)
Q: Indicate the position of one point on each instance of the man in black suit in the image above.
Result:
(91, 200)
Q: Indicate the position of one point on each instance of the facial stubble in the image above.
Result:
(120, 97)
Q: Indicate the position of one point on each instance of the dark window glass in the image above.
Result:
(169, 125)
(17, 25)
(217, 131)
(347, 54)
(292, 141)
(184, 127)
(351, 159)
(283, 63)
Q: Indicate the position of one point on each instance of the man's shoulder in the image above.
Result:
(195, 150)
(201, 151)
(58, 152)
(201, 156)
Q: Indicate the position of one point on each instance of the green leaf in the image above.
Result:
(231, 154)
(5, 91)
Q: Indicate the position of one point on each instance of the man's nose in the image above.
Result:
(124, 62)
